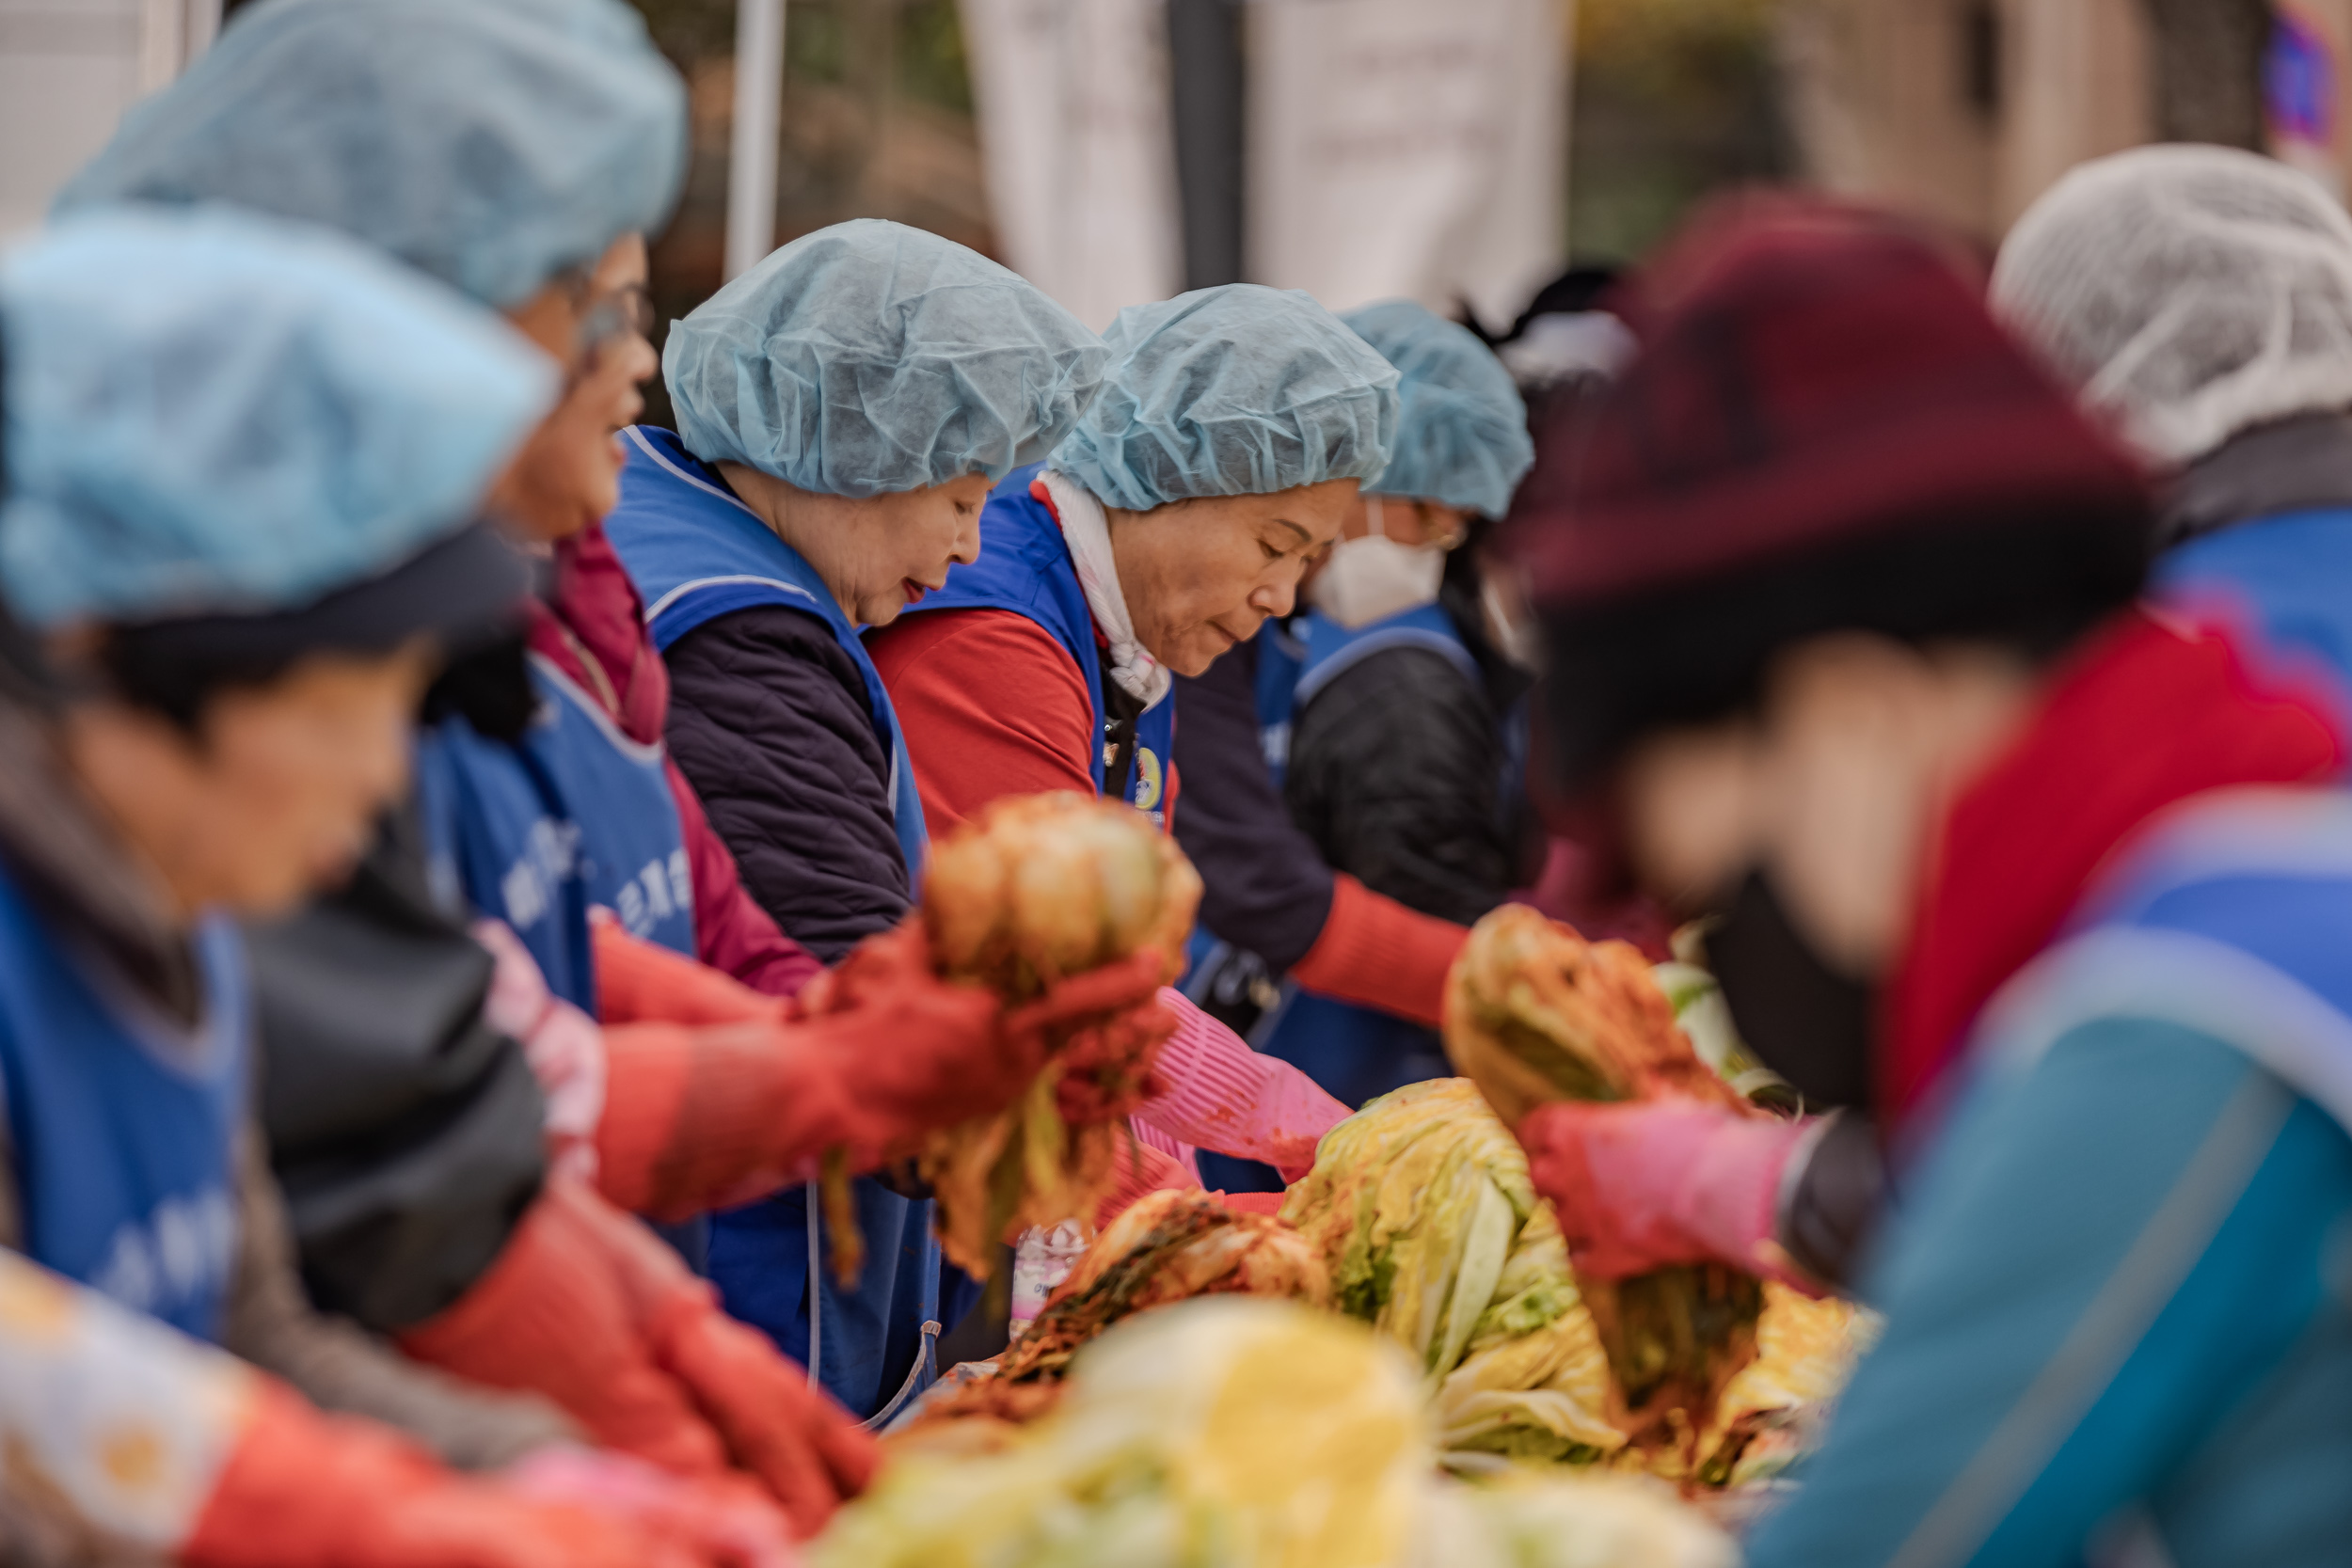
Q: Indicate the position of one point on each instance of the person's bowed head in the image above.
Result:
(1236, 428)
(1461, 450)
(1818, 553)
(862, 389)
(245, 576)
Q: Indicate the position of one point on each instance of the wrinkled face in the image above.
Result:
(1200, 576)
(878, 554)
(567, 475)
(274, 796)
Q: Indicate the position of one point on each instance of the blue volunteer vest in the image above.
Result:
(122, 1128)
(574, 815)
(1354, 1052)
(2290, 574)
(1280, 656)
(697, 553)
(1024, 566)
(2233, 918)
(1329, 650)
(1274, 687)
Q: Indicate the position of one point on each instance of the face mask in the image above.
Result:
(1374, 577)
(1805, 1020)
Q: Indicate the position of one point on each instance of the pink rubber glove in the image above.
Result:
(1142, 1170)
(563, 1046)
(1643, 1185)
(729, 1514)
(1217, 1093)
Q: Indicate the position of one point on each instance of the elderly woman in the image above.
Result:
(239, 636)
(1391, 717)
(517, 153)
(843, 408)
(1225, 453)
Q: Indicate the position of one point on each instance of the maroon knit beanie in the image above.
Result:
(1825, 431)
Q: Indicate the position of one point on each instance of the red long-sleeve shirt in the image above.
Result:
(991, 705)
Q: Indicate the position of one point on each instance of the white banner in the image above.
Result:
(1075, 133)
(1407, 148)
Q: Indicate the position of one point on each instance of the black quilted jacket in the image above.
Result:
(769, 720)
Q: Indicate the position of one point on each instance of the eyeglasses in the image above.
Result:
(624, 311)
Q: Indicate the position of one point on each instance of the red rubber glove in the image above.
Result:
(707, 1115)
(1648, 1183)
(589, 1307)
(1377, 953)
(777, 1425)
(952, 1055)
(123, 1431)
(554, 1316)
(1109, 1030)
(644, 982)
(303, 1490)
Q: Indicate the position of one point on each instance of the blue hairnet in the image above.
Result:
(1238, 391)
(217, 413)
(492, 143)
(871, 356)
(1461, 434)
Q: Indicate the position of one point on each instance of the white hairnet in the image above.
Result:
(492, 143)
(1236, 390)
(213, 412)
(871, 356)
(1461, 428)
(2186, 292)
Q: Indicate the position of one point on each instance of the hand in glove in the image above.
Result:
(881, 1051)
(1140, 1170)
(1109, 1028)
(1643, 1185)
(551, 1315)
(587, 1307)
(563, 1046)
(138, 1434)
(1106, 1027)
(731, 1513)
(1217, 1093)
(303, 1490)
(952, 1053)
(777, 1425)
(710, 1115)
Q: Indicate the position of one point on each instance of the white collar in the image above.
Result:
(1087, 529)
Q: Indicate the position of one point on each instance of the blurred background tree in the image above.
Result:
(1674, 98)
(1960, 109)
(2207, 59)
(877, 122)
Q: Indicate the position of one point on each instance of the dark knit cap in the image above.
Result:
(1825, 431)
